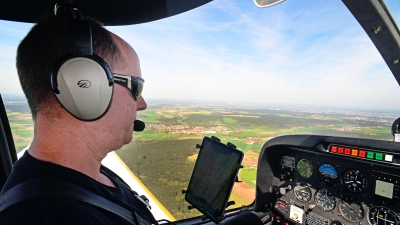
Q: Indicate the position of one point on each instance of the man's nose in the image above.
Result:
(141, 104)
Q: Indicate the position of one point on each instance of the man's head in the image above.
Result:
(42, 48)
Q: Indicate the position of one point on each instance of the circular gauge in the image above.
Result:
(337, 222)
(305, 168)
(327, 173)
(302, 193)
(351, 210)
(379, 215)
(355, 181)
(325, 200)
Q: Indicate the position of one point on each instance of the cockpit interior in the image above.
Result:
(301, 179)
(310, 179)
(330, 180)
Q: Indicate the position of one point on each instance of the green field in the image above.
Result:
(21, 124)
(249, 176)
(162, 155)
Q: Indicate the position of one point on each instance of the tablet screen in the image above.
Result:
(213, 178)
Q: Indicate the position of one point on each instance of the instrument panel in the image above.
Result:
(331, 182)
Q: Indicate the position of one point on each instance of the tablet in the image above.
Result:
(213, 177)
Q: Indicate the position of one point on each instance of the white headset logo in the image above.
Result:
(84, 84)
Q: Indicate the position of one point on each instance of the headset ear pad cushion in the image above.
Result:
(84, 86)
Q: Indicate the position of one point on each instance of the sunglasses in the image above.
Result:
(135, 84)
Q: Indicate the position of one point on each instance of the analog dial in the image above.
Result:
(351, 210)
(355, 181)
(382, 216)
(305, 168)
(325, 199)
(327, 173)
(302, 193)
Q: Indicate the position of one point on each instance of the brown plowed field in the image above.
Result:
(245, 191)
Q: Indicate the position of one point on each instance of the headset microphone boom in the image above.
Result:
(138, 125)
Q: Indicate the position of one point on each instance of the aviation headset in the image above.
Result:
(82, 81)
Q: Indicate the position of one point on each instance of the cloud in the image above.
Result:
(311, 53)
(9, 82)
(270, 62)
(13, 32)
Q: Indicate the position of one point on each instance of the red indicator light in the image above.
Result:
(333, 148)
(347, 151)
(354, 152)
(362, 153)
(340, 150)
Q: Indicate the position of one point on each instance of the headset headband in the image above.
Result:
(80, 30)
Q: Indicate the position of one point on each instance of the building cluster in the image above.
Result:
(185, 129)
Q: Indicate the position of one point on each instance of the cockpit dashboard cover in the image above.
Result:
(110, 13)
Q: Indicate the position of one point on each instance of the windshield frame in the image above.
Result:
(375, 18)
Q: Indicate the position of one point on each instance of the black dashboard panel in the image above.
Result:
(329, 180)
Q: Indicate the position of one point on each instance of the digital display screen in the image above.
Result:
(384, 189)
(213, 178)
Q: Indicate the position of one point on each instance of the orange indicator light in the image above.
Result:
(354, 152)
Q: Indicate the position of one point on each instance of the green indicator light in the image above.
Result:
(370, 155)
(379, 156)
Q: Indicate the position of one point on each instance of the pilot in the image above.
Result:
(69, 148)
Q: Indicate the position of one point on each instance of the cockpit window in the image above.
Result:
(247, 75)
(243, 74)
(18, 112)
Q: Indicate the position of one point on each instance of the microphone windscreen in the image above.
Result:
(138, 125)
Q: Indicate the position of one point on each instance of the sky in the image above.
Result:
(306, 52)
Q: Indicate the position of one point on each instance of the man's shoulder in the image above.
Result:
(57, 210)
(52, 208)
(28, 168)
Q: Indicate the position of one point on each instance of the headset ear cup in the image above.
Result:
(106, 67)
(84, 86)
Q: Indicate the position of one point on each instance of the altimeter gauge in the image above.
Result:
(351, 210)
(325, 200)
(355, 181)
(379, 215)
(302, 193)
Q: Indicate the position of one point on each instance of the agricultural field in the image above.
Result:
(164, 154)
(21, 123)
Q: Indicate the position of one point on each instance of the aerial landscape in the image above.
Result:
(164, 154)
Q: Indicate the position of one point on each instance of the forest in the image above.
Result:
(165, 168)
